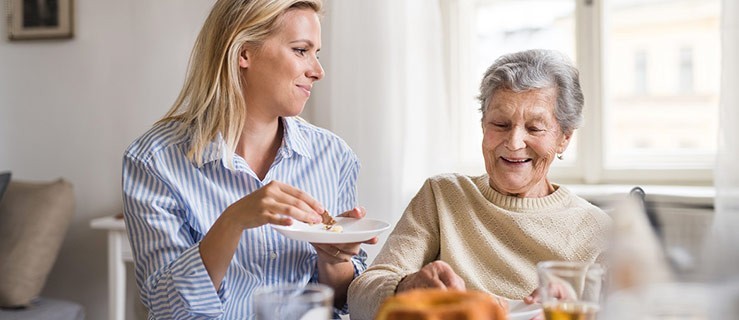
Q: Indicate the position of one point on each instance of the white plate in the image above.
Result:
(355, 230)
(518, 310)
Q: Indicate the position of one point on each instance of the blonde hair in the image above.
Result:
(212, 99)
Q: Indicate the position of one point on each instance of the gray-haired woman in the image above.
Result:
(488, 232)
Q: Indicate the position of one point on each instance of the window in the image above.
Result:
(640, 72)
(686, 71)
(649, 71)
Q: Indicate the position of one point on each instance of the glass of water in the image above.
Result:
(293, 301)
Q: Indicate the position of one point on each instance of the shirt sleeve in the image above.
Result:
(172, 278)
(413, 243)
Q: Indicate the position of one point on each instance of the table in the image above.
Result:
(119, 252)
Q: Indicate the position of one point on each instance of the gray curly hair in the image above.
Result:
(537, 69)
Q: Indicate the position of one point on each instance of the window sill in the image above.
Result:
(672, 196)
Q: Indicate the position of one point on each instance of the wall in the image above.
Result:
(69, 108)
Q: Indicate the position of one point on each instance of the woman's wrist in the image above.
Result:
(229, 220)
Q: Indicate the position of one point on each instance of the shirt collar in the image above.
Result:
(293, 141)
(215, 150)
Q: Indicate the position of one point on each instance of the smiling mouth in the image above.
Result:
(305, 89)
(515, 161)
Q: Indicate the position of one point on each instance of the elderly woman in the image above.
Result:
(488, 232)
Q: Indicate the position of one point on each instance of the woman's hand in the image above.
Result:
(533, 297)
(334, 261)
(334, 253)
(556, 290)
(437, 274)
(275, 203)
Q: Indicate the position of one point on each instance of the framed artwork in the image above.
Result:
(40, 19)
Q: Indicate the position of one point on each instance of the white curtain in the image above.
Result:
(383, 94)
(724, 261)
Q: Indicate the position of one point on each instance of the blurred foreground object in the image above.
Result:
(428, 304)
(636, 257)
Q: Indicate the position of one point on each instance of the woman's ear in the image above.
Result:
(244, 58)
(564, 143)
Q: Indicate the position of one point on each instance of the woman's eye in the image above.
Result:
(535, 129)
(300, 51)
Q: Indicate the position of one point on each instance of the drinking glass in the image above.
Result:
(293, 301)
(570, 290)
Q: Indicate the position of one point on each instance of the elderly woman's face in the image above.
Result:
(521, 137)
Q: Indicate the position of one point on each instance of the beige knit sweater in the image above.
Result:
(491, 240)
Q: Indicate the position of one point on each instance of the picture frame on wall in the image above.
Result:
(40, 19)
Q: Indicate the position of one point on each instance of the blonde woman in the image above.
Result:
(201, 187)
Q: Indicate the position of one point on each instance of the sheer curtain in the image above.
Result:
(383, 94)
(726, 222)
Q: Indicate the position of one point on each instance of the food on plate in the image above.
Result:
(329, 223)
(334, 228)
(427, 304)
(327, 218)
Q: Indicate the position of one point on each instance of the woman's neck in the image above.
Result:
(259, 142)
(539, 190)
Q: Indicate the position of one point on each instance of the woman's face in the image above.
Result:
(280, 73)
(521, 137)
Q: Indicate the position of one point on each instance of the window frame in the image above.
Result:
(589, 166)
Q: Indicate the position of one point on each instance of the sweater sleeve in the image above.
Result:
(413, 243)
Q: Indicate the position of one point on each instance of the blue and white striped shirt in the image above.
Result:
(170, 204)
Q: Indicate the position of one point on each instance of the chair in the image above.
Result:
(34, 217)
(654, 221)
(679, 259)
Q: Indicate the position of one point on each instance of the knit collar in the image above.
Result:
(555, 200)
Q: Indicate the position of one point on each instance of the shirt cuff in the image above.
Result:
(360, 264)
(194, 286)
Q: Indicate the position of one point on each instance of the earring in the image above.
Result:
(560, 156)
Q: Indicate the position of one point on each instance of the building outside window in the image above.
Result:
(686, 71)
(640, 72)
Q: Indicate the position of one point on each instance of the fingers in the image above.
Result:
(446, 275)
(532, 298)
(278, 208)
(333, 254)
(304, 198)
(280, 220)
(280, 198)
(357, 213)
(437, 274)
(452, 280)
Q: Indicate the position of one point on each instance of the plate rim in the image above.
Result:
(524, 313)
(291, 229)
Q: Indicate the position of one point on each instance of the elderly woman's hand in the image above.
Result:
(556, 290)
(437, 274)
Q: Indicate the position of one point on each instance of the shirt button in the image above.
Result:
(273, 255)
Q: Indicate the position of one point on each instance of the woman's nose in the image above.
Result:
(515, 139)
(316, 70)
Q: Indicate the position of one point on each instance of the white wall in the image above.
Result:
(69, 108)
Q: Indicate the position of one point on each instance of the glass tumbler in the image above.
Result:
(292, 301)
(570, 290)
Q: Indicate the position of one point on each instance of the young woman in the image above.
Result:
(201, 187)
